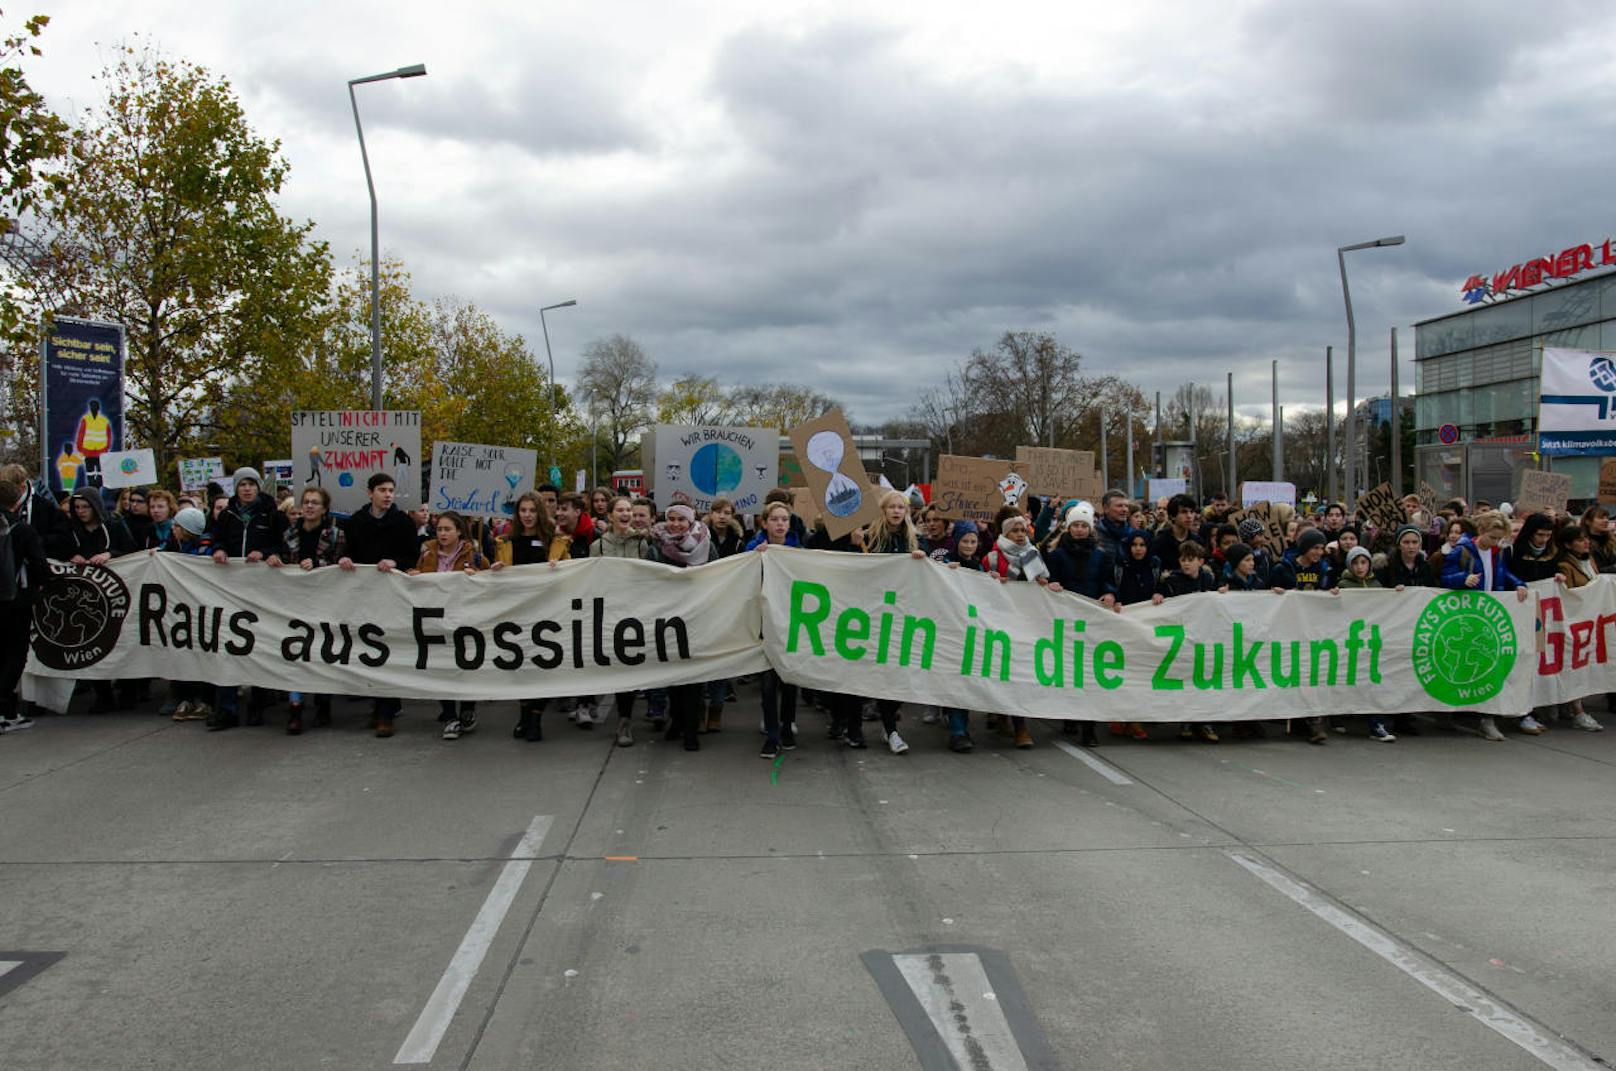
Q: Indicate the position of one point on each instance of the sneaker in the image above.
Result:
(1531, 726)
(835, 733)
(929, 717)
(1319, 736)
(1382, 734)
(16, 724)
(181, 711)
(451, 729)
(788, 737)
(895, 742)
(384, 725)
(960, 743)
(771, 749)
(625, 733)
(199, 712)
(468, 723)
(1585, 721)
(597, 714)
(1138, 731)
(167, 710)
(1489, 731)
(1186, 732)
(1207, 733)
(1338, 725)
(855, 742)
(582, 720)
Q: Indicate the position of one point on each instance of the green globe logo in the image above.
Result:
(1464, 648)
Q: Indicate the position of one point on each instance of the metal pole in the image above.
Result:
(1105, 457)
(1329, 422)
(1352, 382)
(375, 266)
(1397, 426)
(1233, 470)
(1130, 454)
(1278, 449)
(1279, 440)
(1155, 437)
(1195, 458)
(549, 387)
(594, 445)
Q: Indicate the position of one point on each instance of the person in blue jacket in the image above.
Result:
(1477, 563)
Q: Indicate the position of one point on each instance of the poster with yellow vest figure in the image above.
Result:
(83, 386)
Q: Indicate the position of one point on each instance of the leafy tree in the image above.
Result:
(693, 399)
(618, 380)
(167, 223)
(777, 405)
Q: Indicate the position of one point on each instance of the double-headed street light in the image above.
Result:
(545, 328)
(414, 70)
(1352, 368)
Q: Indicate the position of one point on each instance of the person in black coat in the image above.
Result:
(250, 526)
(382, 535)
(16, 599)
(1406, 566)
(1136, 572)
(90, 536)
(34, 507)
(1533, 555)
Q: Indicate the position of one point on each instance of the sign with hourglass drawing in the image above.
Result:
(830, 463)
(480, 481)
(698, 463)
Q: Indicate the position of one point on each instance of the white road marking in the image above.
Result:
(1104, 769)
(1455, 990)
(422, 1043)
(955, 992)
(9, 965)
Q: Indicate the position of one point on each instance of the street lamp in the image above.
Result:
(414, 70)
(1352, 354)
(545, 328)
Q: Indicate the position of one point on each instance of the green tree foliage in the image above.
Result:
(168, 225)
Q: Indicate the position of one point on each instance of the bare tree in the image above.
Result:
(620, 381)
(778, 405)
(1031, 382)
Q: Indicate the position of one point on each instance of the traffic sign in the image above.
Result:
(1447, 434)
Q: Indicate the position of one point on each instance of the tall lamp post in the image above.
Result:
(546, 329)
(414, 70)
(1351, 452)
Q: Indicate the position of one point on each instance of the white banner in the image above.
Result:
(480, 481)
(882, 626)
(596, 626)
(128, 468)
(900, 628)
(1577, 403)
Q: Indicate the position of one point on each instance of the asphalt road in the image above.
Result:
(252, 900)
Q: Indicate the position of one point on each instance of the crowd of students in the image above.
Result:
(1122, 553)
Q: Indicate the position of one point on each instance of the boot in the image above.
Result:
(1024, 737)
(1088, 737)
(687, 721)
(294, 720)
(322, 711)
(715, 713)
(528, 727)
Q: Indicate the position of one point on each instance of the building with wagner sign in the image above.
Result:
(1476, 370)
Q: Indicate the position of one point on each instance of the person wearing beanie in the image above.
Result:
(1357, 572)
(1191, 577)
(188, 699)
(1406, 565)
(249, 527)
(192, 521)
(1304, 568)
(1077, 565)
(1240, 569)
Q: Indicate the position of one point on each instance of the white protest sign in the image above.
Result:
(704, 462)
(479, 481)
(196, 472)
(279, 473)
(341, 449)
(1165, 488)
(1270, 491)
(128, 468)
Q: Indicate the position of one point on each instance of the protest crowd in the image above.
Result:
(1115, 551)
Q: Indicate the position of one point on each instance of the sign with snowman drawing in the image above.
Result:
(480, 481)
(831, 465)
(695, 464)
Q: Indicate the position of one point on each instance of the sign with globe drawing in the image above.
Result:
(697, 464)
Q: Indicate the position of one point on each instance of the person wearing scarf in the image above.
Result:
(1532, 557)
(1014, 556)
(681, 542)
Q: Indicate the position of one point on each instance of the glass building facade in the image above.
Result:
(1478, 369)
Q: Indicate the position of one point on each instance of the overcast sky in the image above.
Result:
(854, 195)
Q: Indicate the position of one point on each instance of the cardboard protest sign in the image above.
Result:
(1607, 480)
(703, 462)
(1057, 473)
(1269, 491)
(830, 464)
(1263, 512)
(195, 472)
(1427, 495)
(968, 487)
(480, 481)
(1379, 505)
(128, 468)
(340, 449)
(1542, 491)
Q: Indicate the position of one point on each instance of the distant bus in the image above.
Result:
(628, 481)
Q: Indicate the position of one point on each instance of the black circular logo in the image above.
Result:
(78, 615)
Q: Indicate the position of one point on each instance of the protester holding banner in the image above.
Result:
(1406, 566)
(250, 526)
(1183, 523)
(779, 697)
(23, 558)
(1577, 569)
(312, 540)
(526, 543)
(31, 508)
(161, 508)
(1077, 564)
(682, 541)
(1014, 556)
(1111, 526)
(620, 539)
(452, 551)
(1601, 541)
(1477, 563)
(382, 535)
(1532, 557)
